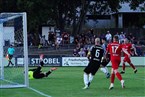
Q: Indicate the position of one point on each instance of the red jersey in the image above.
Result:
(128, 47)
(115, 50)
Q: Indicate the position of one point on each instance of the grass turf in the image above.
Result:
(68, 82)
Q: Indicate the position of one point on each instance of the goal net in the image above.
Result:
(13, 63)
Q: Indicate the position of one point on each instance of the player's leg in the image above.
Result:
(119, 77)
(104, 68)
(112, 79)
(86, 80)
(87, 71)
(115, 65)
(9, 60)
(8, 63)
(50, 71)
(39, 75)
(91, 76)
(105, 71)
(94, 68)
(130, 63)
(123, 66)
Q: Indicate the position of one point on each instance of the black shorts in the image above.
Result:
(92, 67)
(10, 56)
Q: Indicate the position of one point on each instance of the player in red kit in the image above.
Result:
(115, 49)
(128, 46)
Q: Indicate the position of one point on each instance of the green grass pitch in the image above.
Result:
(68, 82)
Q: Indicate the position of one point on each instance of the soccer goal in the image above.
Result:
(13, 31)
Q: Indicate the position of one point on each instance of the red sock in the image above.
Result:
(119, 76)
(123, 66)
(132, 65)
(112, 78)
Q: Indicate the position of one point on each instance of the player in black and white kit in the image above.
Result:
(95, 56)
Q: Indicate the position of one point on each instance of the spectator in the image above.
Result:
(75, 53)
(108, 36)
(130, 36)
(82, 53)
(122, 37)
(117, 34)
(42, 42)
(51, 37)
(58, 42)
(65, 37)
(102, 36)
(76, 40)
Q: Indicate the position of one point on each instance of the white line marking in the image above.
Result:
(39, 92)
(140, 78)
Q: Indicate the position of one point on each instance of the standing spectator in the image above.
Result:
(122, 37)
(108, 36)
(10, 53)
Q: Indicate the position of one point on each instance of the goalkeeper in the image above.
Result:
(37, 73)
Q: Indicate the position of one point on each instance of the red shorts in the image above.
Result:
(115, 63)
(127, 59)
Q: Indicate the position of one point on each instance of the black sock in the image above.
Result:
(48, 73)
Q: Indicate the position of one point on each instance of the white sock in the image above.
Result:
(103, 70)
(90, 77)
(106, 70)
(112, 84)
(122, 81)
(86, 79)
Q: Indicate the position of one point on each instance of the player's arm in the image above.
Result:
(104, 56)
(89, 55)
(126, 52)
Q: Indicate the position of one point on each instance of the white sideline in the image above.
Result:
(39, 92)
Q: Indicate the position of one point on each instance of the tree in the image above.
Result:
(64, 13)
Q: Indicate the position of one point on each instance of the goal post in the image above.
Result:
(13, 31)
